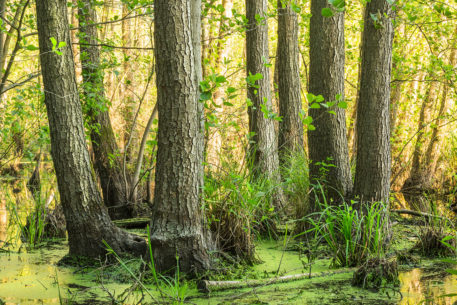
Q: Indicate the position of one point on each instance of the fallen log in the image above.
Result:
(210, 286)
(132, 223)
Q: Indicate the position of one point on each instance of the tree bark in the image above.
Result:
(291, 126)
(263, 152)
(106, 159)
(372, 178)
(178, 223)
(328, 143)
(88, 223)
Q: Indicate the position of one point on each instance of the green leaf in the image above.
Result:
(343, 105)
(308, 120)
(221, 79)
(228, 104)
(315, 106)
(332, 112)
(449, 261)
(205, 96)
(295, 8)
(319, 98)
(61, 44)
(451, 271)
(310, 97)
(327, 12)
(311, 127)
(54, 42)
(231, 90)
(31, 48)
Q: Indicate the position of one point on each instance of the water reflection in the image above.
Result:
(3, 220)
(419, 287)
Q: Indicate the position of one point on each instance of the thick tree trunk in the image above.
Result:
(88, 223)
(328, 143)
(178, 223)
(291, 126)
(372, 178)
(264, 144)
(107, 164)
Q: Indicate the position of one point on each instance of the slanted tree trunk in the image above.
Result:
(328, 143)
(88, 223)
(291, 126)
(178, 223)
(264, 145)
(372, 178)
(106, 159)
(419, 163)
(127, 96)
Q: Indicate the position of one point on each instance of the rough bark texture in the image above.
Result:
(291, 126)
(178, 224)
(372, 178)
(264, 144)
(328, 143)
(88, 223)
(107, 164)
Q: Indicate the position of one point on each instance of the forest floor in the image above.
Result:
(33, 277)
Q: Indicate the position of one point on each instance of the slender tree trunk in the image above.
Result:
(291, 126)
(106, 159)
(419, 163)
(372, 178)
(127, 96)
(328, 143)
(88, 223)
(264, 148)
(215, 142)
(178, 223)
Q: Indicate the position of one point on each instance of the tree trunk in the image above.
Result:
(215, 142)
(106, 160)
(263, 153)
(178, 223)
(372, 178)
(88, 223)
(291, 126)
(127, 96)
(328, 143)
(419, 163)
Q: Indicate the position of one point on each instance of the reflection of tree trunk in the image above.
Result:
(288, 72)
(328, 143)
(107, 162)
(3, 220)
(88, 222)
(214, 144)
(264, 145)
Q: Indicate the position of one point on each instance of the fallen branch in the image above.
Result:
(418, 214)
(209, 286)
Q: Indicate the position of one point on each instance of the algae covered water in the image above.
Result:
(34, 278)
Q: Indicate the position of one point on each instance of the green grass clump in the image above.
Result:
(352, 234)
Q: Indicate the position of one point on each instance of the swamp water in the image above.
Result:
(33, 277)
